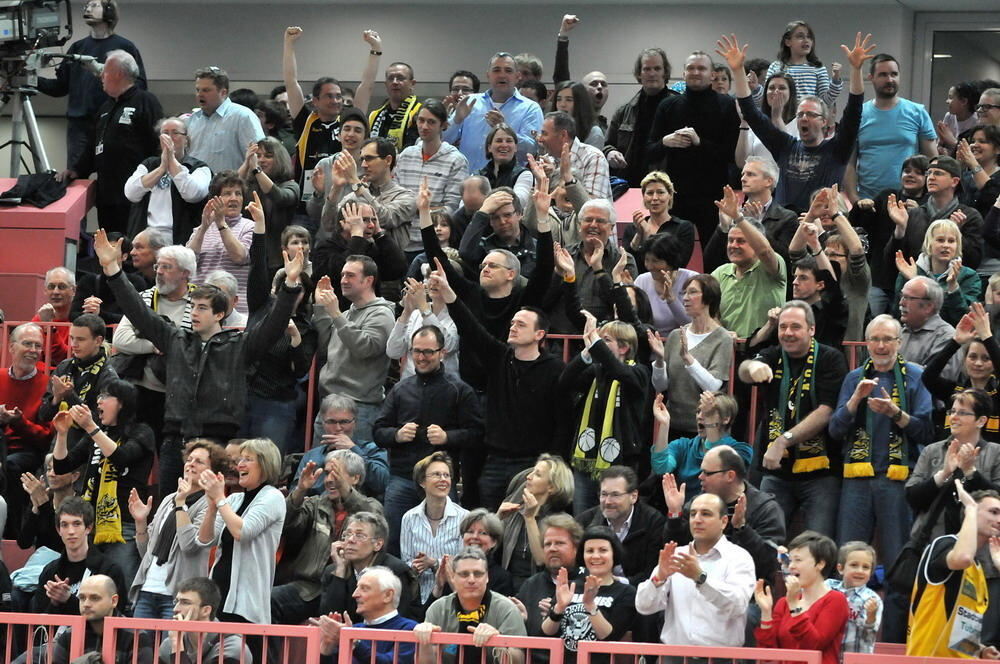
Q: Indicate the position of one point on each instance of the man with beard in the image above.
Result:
(625, 145)
(694, 136)
(136, 358)
(892, 129)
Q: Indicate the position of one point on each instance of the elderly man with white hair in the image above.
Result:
(227, 283)
(377, 596)
(167, 189)
(125, 135)
(593, 259)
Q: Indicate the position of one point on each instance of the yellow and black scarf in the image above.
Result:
(397, 121)
(84, 377)
(592, 454)
(104, 485)
(796, 399)
(859, 455)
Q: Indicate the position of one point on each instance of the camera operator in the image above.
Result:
(79, 76)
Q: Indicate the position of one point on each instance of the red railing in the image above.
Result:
(31, 623)
(586, 649)
(869, 658)
(554, 647)
(300, 644)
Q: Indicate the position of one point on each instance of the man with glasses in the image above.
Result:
(27, 438)
(501, 212)
(219, 130)
(334, 430)
(313, 524)
(892, 130)
(813, 160)
(943, 180)
(168, 190)
(142, 258)
(462, 84)
(360, 547)
(428, 411)
(988, 108)
(883, 417)
(60, 289)
(638, 526)
(136, 358)
(197, 600)
(476, 114)
(924, 331)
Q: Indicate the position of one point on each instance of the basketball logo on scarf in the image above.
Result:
(107, 510)
(588, 456)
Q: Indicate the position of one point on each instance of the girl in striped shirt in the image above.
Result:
(797, 57)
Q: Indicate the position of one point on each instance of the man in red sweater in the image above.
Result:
(60, 286)
(22, 386)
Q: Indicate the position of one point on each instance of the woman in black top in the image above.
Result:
(117, 455)
(502, 170)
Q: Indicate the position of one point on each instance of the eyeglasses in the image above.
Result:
(355, 535)
(370, 157)
(613, 495)
(960, 413)
(58, 286)
(244, 459)
(439, 476)
(910, 298)
(883, 340)
(471, 573)
(493, 266)
(32, 345)
(166, 267)
(461, 90)
(174, 132)
(709, 473)
(425, 352)
(985, 108)
(812, 115)
(596, 220)
(342, 423)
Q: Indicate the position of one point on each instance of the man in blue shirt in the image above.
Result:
(892, 129)
(220, 130)
(473, 119)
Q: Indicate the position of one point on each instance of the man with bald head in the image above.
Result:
(756, 522)
(703, 588)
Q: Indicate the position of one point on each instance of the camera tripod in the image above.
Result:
(17, 87)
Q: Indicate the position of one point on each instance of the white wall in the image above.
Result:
(246, 39)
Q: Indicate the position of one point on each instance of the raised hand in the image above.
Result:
(569, 22)
(898, 212)
(318, 179)
(906, 266)
(372, 38)
(35, 488)
(62, 422)
(294, 265)
(463, 108)
(729, 48)
(61, 387)
(958, 217)
(256, 208)
(138, 509)
(963, 496)
(352, 219)
(214, 485)
(307, 479)
(619, 273)
(655, 344)
(108, 254)
(740, 512)
(861, 51)
(962, 150)
(564, 590)
(541, 196)
(673, 494)
(981, 319)
(729, 205)
(566, 163)
(665, 561)
(292, 34)
(565, 265)
(326, 297)
(424, 196)
(590, 587)
(439, 280)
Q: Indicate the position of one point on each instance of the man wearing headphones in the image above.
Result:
(79, 76)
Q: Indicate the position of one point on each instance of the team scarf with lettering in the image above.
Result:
(593, 454)
(796, 399)
(397, 121)
(104, 485)
(86, 378)
(859, 454)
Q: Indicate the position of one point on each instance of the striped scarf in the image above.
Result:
(796, 399)
(859, 453)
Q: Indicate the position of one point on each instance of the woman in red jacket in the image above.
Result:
(809, 616)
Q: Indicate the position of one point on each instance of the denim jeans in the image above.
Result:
(879, 300)
(268, 418)
(401, 495)
(817, 498)
(585, 490)
(153, 605)
(867, 502)
(495, 477)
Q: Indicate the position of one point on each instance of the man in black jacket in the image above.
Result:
(206, 365)
(60, 580)
(524, 406)
(430, 410)
(123, 138)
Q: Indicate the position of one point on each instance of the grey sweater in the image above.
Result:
(356, 361)
(714, 353)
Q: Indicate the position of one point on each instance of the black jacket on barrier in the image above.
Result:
(763, 532)
(206, 381)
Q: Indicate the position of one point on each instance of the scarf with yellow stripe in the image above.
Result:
(859, 454)
(593, 454)
(104, 486)
(796, 399)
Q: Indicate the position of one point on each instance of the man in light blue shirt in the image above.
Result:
(220, 130)
(892, 129)
(474, 116)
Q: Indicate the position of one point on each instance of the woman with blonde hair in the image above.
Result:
(941, 260)
(657, 197)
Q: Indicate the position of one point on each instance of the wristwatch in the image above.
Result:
(789, 436)
(702, 578)
(256, 171)
(357, 186)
